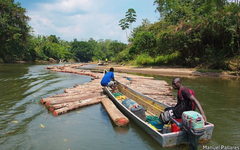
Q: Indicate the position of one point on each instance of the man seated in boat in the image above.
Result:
(108, 80)
(186, 101)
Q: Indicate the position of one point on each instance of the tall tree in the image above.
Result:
(14, 31)
(131, 16)
(124, 25)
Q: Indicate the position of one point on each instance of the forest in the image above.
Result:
(189, 33)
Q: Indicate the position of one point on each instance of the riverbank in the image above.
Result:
(164, 71)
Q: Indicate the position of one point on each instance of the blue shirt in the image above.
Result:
(107, 78)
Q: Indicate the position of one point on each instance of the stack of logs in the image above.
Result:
(92, 92)
(148, 86)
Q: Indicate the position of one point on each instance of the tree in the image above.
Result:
(130, 17)
(82, 50)
(116, 47)
(53, 39)
(174, 10)
(14, 31)
(124, 25)
(144, 27)
(97, 52)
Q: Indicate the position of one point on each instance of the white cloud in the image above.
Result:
(81, 19)
(69, 6)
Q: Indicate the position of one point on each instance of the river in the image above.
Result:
(22, 117)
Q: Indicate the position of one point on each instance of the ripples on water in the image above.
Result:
(21, 114)
(22, 86)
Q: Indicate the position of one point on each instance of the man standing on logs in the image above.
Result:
(108, 80)
(186, 101)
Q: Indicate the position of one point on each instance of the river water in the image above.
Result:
(22, 86)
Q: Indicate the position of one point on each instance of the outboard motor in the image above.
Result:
(193, 124)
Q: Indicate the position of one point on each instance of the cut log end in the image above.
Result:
(47, 103)
(122, 122)
(51, 109)
(42, 101)
(55, 113)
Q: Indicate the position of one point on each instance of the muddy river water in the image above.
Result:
(22, 117)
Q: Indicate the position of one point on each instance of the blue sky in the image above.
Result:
(84, 19)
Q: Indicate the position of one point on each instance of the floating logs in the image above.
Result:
(118, 118)
(83, 90)
(77, 104)
(53, 107)
(92, 93)
(58, 100)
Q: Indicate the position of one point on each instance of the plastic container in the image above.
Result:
(139, 111)
(129, 103)
(174, 127)
(135, 108)
(166, 128)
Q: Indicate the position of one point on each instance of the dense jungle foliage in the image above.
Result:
(192, 33)
(17, 42)
(203, 33)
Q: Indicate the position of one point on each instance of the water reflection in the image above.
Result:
(22, 87)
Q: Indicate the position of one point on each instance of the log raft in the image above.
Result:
(92, 93)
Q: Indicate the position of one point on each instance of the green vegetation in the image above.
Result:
(130, 17)
(18, 43)
(203, 34)
(190, 33)
(14, 31)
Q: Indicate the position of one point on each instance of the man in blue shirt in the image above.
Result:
(107, 80)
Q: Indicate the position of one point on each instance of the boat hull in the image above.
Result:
(165, 140)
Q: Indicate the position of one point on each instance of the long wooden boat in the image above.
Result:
(155, 108)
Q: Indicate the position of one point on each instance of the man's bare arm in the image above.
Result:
(198, 105)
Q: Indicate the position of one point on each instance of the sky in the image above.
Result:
(85, 19)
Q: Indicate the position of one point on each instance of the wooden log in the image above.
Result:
(150, 88)
(77, 92)
(151, 92)
(87, 90)
(65, 100)
(161, 97)
(118, 118)
(58, 106)
(152, 82)
(57, 100)
(65, 94)
(76, 105)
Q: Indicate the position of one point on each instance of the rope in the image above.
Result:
(117, 94)
(137, 96)
(121, 97)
